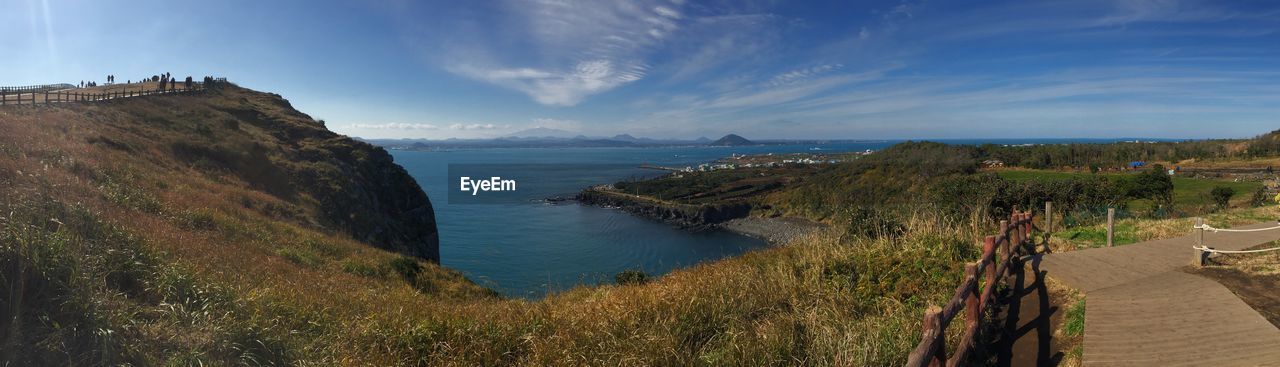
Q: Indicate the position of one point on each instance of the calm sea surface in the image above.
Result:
(526, 248)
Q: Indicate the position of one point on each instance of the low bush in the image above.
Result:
(406, 267)
(1221, 196)
(872, 223)
(630, 277)
(1259, 197)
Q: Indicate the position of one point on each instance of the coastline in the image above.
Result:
(734, 218)
(776, 231)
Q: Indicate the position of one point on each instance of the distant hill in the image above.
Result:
(624, 137)
(542, 132)
(731, 140)
(702, 140)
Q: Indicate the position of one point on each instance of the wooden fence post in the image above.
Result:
(1021, 236)
(1199, 259)
(1026, 225)
(989, 248)
(1048, 220)
(933, 324)
(1004, 246)
(971, 299)
(1111, 226)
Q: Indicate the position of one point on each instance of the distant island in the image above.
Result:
(731, 140)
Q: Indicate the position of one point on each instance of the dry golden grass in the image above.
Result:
(1256, 163)
(241, 276)
(1262, 264)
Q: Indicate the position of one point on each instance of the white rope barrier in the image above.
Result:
(1212, 229)
(1206, 249)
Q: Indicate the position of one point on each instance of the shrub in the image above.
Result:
(630, 277)
(408, 268)
(1152, 184)
(1259, 197)
(1222, 196)
(872, 223)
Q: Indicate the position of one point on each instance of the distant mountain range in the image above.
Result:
(555, 138)
(547, 137)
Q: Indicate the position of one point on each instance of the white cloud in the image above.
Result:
(395, 126)
(717, 43)
(667, 12)
(473, 126)
(559, 88)
(582, 48)
(801, 74)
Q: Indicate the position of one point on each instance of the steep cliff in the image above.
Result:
(356, 187)
(219, 228)
(242, 137)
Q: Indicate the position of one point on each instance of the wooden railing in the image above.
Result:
(35, 88)
(71, 94)
(998, 255)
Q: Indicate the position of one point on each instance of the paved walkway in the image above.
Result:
(1142, 310)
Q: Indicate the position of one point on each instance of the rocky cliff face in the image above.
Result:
(357, 186)
(380, 203)
(326, 180)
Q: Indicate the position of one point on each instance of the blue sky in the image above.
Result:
(684, 68)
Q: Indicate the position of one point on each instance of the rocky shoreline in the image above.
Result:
(732, 217)
(776, 231)
(686, 216)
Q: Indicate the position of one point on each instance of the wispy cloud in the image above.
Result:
(897, 65)
(395, 126)
(800, 74)
(587, 47)
(473, 126)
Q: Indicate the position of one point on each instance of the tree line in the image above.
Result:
(1097, 156)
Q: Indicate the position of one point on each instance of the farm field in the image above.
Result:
(1189, 194)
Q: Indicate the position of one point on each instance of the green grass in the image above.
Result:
(1196, 191)
(1096, 236)
(1074, 325)
(1188, 193)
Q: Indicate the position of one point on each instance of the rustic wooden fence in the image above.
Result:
(32, 96)
(35, 88)
(999, 253)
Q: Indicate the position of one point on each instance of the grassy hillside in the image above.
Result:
(182, 228)
(228, 229)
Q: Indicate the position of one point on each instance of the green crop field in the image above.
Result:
(1187, 192)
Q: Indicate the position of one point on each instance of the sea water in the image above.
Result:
(528, 247)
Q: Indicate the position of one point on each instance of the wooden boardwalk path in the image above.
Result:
(1142, 310)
